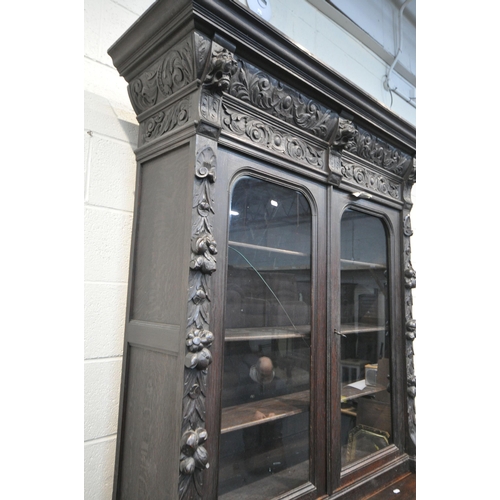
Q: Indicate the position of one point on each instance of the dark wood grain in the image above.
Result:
(149, 435)
(160, 239)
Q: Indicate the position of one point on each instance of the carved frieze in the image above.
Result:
(369, 147)
(270, 95)
(176, 115)
(193, 455)
(370, 180)
(272, 138)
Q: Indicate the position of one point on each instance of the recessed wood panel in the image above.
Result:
(151, 430)
(161, 239)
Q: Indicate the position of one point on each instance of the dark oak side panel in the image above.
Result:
(147, 440)
(160, 239)
(153, 365)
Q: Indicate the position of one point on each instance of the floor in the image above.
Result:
(402, 489)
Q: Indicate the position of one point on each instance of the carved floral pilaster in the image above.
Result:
(409, 277)
(193, 455)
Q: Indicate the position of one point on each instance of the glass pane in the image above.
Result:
(264, 448)
(365, 340)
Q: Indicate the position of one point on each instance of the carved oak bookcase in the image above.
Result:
(268, 341)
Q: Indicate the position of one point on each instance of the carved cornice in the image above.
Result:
(221, 72)
(193, 454)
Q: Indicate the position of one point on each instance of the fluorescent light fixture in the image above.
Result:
(274, 203)
(233, 212)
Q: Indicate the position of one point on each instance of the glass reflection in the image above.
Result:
(365, 342)
(264, 448)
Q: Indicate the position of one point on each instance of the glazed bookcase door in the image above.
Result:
(270, 368)
(365, 343)
(367, 362)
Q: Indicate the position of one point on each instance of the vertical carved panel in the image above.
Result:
(410, 323)
(193, 455)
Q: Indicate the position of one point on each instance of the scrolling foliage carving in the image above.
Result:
(193, 455)
(268, 94)
(262, 134)
(369, 147)
(166, 120)
(170, 73)
(370, 180)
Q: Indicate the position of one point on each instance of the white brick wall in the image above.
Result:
(110, 135)
(318, 34)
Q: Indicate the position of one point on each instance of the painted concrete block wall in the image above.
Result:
(110, 136)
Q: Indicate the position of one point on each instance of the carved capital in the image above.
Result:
(335, 167)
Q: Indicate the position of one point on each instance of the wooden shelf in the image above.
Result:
(349, 393)
(267, 249)
(269, 332)
(349, 328)
(357, 265)
(241, 416)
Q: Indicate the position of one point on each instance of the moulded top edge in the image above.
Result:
(159, 22)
